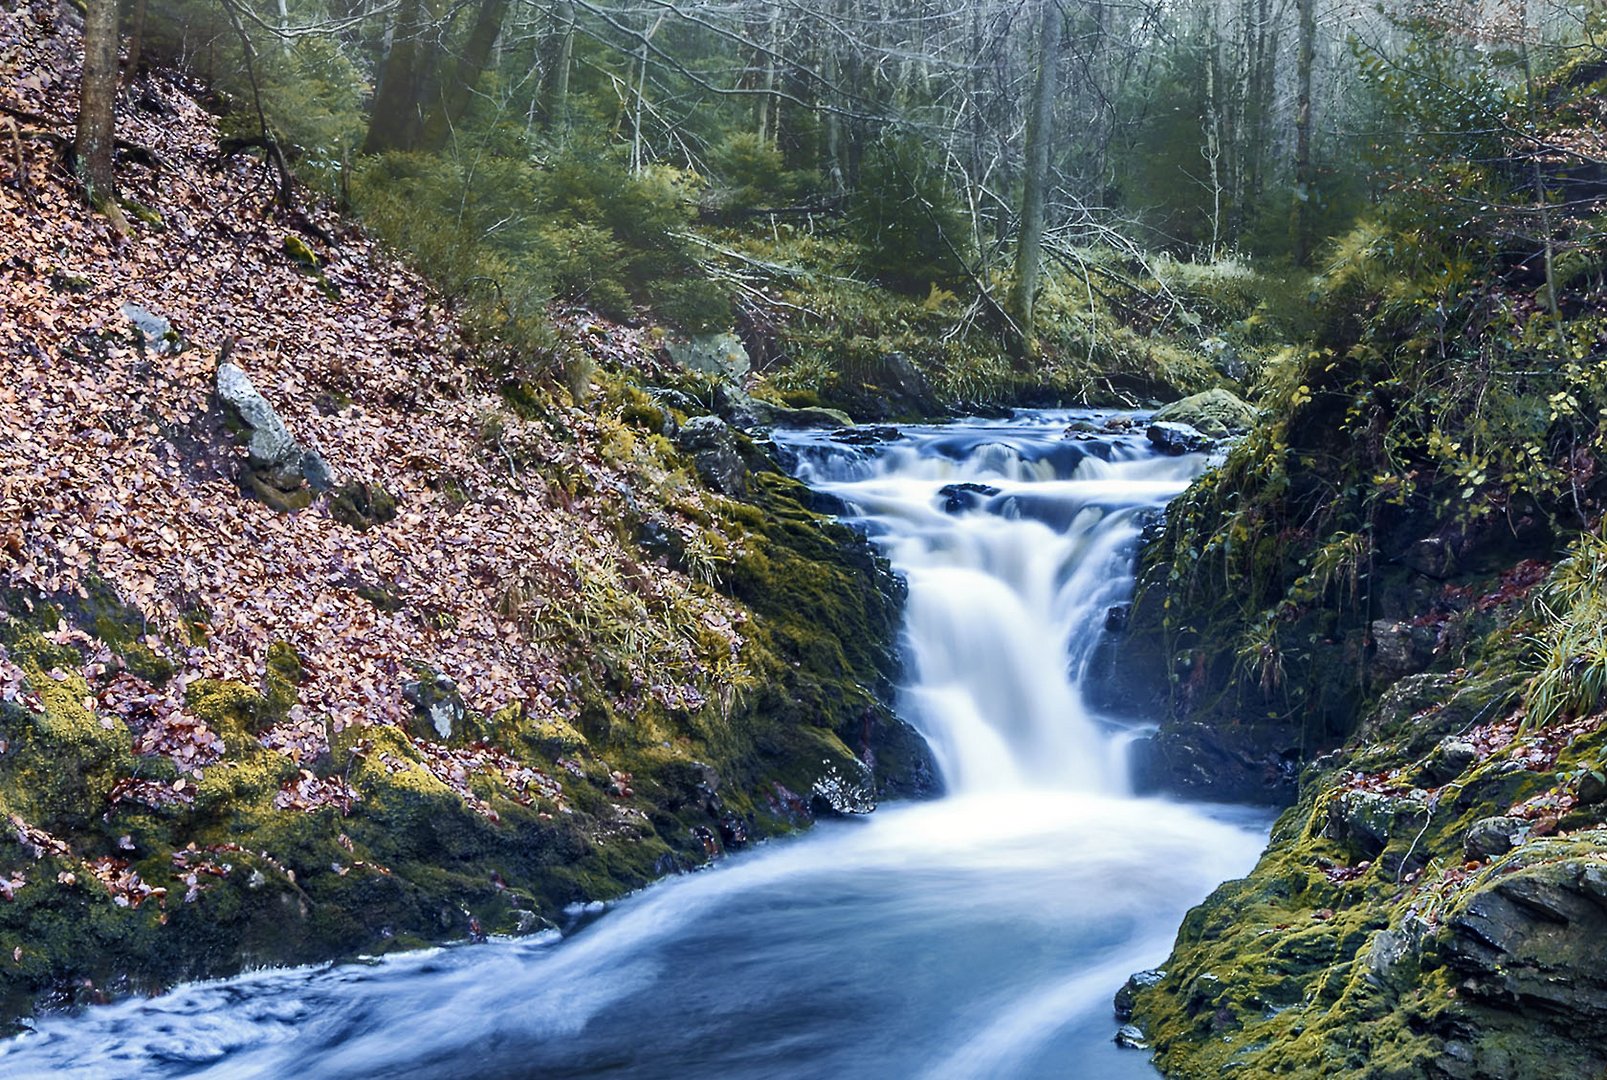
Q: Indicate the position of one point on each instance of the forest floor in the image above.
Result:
(518, 655)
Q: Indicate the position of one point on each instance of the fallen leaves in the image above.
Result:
(112, 461)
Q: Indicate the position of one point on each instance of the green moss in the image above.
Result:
(299, 252)
(362, 505)
(63, 761)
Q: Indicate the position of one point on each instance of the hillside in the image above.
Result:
(1386, 607)
(511, 654)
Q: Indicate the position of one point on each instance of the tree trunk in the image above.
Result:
(136, 39)
(458, 89)
(394, 122)
(1305, 192)
(1034, 190)
(560, 58)
(97, 105)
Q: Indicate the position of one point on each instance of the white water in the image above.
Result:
(979, 935)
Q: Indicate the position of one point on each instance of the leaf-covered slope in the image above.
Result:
(520, 655)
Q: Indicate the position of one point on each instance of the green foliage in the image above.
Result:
(906, 219)
(1571, 646)
(753, 174)
(515, 235)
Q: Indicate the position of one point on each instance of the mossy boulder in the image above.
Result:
(1216, 409)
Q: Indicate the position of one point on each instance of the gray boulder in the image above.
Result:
(438, 707)
(1170, 437)
(720, 355)
(1530, 943)
(1221, 407)
(1449, 759)
(1493, 837)
(275, 461)
(155, 332)
(1363, 819)
(716, 454)
(1400, 649)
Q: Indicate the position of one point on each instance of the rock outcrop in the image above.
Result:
(278, 470)
(1211, 411)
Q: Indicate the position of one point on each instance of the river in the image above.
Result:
(977, 935)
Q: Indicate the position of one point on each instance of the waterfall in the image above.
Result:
(1016, 542)
(979, 935)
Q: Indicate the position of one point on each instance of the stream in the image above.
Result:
(979, 935)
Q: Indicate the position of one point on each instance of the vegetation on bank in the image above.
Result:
(1385, 606)
(520, 648)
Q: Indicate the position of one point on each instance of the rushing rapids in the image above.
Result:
(978, 935)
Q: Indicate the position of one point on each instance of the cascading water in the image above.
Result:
(978, 935)
(1016, 543)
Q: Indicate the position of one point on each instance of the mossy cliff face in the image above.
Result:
(1432, 906)
(128, 863)
(1385, 608)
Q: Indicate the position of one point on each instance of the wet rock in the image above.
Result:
(1081, 428)
(1131, 1037)
(1176, 439)
(1127, 996)
(721, 355)
(1492, 837)
(715, 454)
(278, 470)
(1219, 408)
(836, 795)
(1363, 819)
(1116, 618)
(1449, 759)
(957, 498)
(704, 838)
(438, 707)
(1400, 649)
(866, 436)
(1531, 942)
(733, 832)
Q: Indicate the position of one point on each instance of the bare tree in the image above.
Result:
(94, 146)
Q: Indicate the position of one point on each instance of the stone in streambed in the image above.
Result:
(1127, 996)
(1131, 1037)
(866, 436)
(1176, 439)
(1217, 408)
(958, 498)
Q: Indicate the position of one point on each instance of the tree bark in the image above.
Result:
(561, 58)
(458, 89)
(1034, 190)
(1305, 188)
(97, 105)
(394, 122)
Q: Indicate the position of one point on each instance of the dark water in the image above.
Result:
(980, 935)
